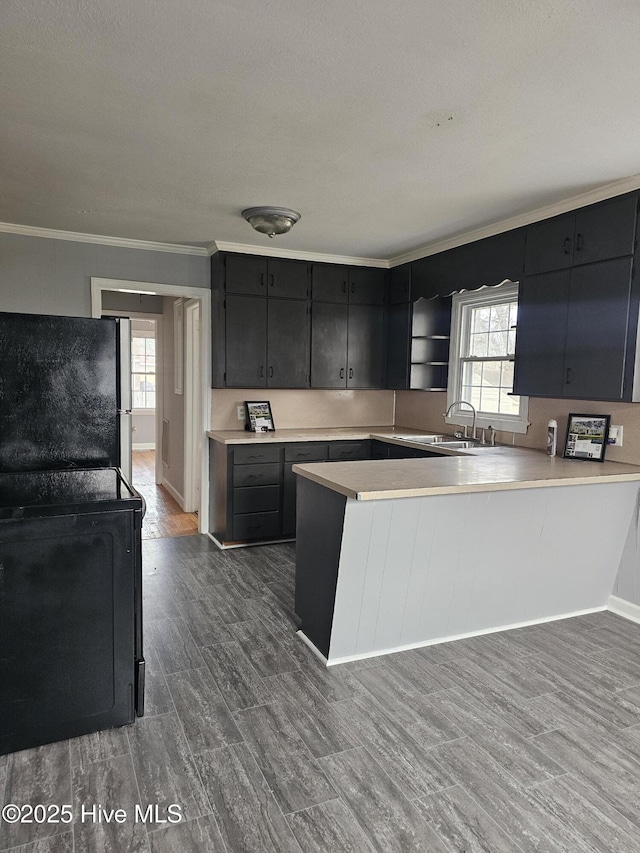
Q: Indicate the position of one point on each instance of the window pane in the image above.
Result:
(479, 345)
(498, 342)
(480, 320)
(499, 321)
(138, 400)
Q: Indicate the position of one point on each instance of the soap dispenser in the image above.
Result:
(552, 437)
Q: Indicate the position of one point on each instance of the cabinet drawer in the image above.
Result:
(256, 499)
(305, 452)
(256, 475)
(256, 525)
(250, 454)
(349, 450)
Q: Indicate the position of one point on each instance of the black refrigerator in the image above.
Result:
(71, 654)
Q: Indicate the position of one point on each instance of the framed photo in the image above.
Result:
(259, 416)
(587, 437)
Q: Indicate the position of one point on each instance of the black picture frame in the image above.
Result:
(590, 431)
(259, 417)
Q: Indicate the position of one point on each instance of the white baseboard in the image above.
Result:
(149, 445)
(224, 547)
(453, 637)
(175, 494)
(308, 643)
(624, 608)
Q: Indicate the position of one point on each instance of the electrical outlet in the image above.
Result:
(241, 413)
(615, 436)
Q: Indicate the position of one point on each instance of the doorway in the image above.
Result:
(170, 376)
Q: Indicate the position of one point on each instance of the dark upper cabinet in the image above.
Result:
(246, 341)
(258, 276)
(597, 330)
(338, 283)
(400, 284)
(329, 283)
(367, 285)
(543, 305)
(468, 267)
(287, 343)
(329, 323)
(549, 245)
(595, 233)
(365, 349)
(605, 231)
(245, 274)
(289, 279)
(572, 338)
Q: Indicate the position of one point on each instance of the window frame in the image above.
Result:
(461, 306)
(148, 335)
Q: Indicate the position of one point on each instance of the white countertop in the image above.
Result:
(294, 435)
(480, 469)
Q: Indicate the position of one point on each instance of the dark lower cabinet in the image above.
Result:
(253, 487)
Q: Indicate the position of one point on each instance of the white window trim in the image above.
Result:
(464, 416)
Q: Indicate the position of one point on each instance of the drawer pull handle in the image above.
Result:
(351, 373)
(342, 373)
(579, 243)
(567, 246)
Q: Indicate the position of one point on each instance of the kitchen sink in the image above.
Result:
(443, 440)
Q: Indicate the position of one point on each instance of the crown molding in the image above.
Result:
(102, 240)
(318, 257)
(590, 197)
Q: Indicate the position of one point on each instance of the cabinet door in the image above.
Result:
(288, 279)
(543, 302)
(287, 343)
(329, 283)
(549, 245)
(289, 500)
(597, 330)
(246, 274)
(400, 284)
(366, 347)
(367, 285)
(399, 345)
(605, 230)
(328, 345)
(246, 341)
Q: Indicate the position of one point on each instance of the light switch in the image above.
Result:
(615, 436)
(241, 413)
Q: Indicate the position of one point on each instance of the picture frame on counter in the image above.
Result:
(259, 417)
(587, 437)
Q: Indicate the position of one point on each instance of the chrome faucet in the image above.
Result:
(475, 414)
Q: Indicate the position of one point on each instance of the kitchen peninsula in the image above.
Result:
(395, 554)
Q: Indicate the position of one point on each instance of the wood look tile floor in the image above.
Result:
(164, 516)
(522, 741)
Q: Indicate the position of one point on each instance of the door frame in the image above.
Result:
(203, 423)
(192, 391)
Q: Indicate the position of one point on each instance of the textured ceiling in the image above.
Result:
(387, 125)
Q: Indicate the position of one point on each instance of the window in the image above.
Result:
(143, 364)
(483, 339)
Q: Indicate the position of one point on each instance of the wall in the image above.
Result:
(305, 408)
(129, 303)
(173, 409)
(45, 276)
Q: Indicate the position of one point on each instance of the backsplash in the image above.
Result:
(423, 410)
(305, 409)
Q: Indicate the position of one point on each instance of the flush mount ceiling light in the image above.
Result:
(271, 220)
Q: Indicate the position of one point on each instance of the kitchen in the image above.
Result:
(491, 735)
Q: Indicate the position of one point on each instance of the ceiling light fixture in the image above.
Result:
(271, 220)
